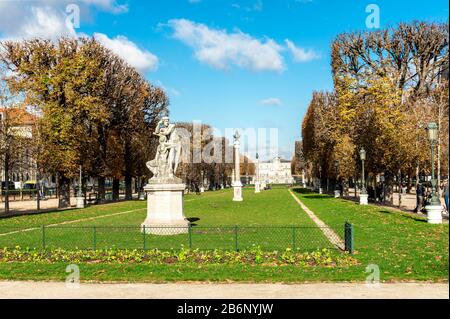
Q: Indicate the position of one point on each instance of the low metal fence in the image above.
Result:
(269, 238)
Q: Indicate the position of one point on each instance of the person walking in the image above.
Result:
(420, 193)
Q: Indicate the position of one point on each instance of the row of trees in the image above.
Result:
(92, 110)
(89, 110)
(388, 85)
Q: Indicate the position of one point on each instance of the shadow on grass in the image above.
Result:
(404, 215)
(47, 211)
(302, 190)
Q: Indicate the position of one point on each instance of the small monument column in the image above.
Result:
(237, 185)
(257, 183)
(165, 190)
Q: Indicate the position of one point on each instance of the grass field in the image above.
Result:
(403, 246)
(400, 244)
(272, 220)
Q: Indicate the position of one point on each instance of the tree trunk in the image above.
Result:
(101, 189)
(115, 189)
(64, 192)
(6, 168)
(128, 171)
(101, 163)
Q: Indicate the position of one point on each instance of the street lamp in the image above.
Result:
(433, 137)
(336, 171)
(434, 208)
(363, 196)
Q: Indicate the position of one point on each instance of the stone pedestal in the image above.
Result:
(337, 194)
(320, 190)
(237, 190)
(434, 214)
(202, 189)
(363, 199)
(257, 187)
(80, 202)
(165, 209)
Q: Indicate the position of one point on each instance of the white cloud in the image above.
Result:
(41, 22)
(108, 5)
(220, 49)
(140, 59)
(271, 101)
(299, 54)
(50, 23)
(46, 18)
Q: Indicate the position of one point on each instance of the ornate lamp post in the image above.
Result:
(363, 196)
(257, 183)
(337, 191)
(434, 208)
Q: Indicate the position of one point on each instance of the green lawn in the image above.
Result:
(271, 219)
(402, 245)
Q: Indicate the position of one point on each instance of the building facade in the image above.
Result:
(276, 171)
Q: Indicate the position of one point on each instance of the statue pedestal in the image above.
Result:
(80, 202)
(363, 199)
(237, 188)
(434, 214)
(165, 209)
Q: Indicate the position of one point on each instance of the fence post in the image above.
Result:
(94, 238)
(43, 237)
(236, 245)
(348, 231)
(294, 238)
(143, 237)
(190, 235)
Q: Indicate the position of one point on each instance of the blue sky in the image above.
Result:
(231, 64)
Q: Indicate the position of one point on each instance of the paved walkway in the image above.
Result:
(328, 232)
(45, 290)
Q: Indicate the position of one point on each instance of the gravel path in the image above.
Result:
(327, 231)
(43, 290)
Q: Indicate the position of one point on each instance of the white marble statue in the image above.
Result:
(168, 152)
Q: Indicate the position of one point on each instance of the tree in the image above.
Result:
(89, 100)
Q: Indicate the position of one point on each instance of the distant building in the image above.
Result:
(24, 168)
(276, 171)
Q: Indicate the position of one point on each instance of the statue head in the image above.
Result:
(165, 121)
